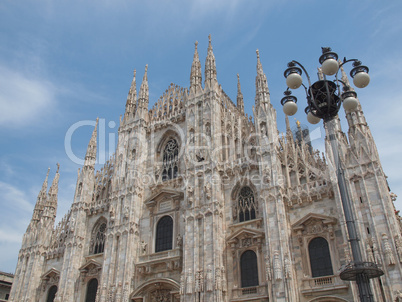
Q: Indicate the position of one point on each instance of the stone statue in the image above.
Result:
(182, 283)
(288, 269)
(224, 282)
(387, 250)
(210, 279)
(277, 266)
(179, 240)
(189, 287)
(143, 247)
(268, 269)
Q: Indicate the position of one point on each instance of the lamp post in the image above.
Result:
(324, 99)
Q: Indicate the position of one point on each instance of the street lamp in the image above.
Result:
(324, 99)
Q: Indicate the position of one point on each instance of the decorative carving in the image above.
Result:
(246, 242)
(111, 213)
(161, 295)
(199, 281)
(398, 245)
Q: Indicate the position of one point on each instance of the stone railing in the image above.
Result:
(322, 284)
(160, 255)
(250, 292)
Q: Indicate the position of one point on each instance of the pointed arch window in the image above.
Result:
(249, 269)
(164, 234)
(51, 293)
(98, 238)
(92, 289)
(246, 204)
(170, 160)
(320, 258)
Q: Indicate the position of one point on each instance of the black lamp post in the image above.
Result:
(324, 99)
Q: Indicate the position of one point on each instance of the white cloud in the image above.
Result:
(23, 99)
(14, 198)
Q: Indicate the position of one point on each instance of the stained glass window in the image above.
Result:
(98, 244)
(246, 205)
(170, 160)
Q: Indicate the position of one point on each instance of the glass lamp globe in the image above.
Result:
(294, 80)
(290, 108)
(312, 119)
(361, 79)
(350, 103)
(329, 66)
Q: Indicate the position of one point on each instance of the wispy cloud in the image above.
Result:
(16, 198)
(23, 99)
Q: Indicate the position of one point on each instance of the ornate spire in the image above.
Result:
(40, 201)
(144, 89)
(240, 101)
(196, 76)
(259, 65)
(210, 66)
(131, 98)
(54, 188)
(143, 97)
(51, 205)
(90, 156)
(261, 85)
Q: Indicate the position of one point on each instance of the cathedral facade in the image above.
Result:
(203, 203)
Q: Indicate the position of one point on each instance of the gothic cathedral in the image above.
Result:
(203, 203)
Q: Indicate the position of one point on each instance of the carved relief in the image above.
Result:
(161, 295)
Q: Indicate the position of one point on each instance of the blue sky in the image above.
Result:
(68, 62)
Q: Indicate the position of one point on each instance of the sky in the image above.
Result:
(65, 63)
